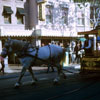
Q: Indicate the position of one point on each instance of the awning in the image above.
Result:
(92, 32)
(7, 10)
(20, 11)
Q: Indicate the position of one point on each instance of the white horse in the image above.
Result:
(28, 56)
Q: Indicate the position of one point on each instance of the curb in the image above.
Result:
(14, 75)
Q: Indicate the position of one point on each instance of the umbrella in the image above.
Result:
(82, 39)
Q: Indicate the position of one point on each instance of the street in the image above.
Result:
(76, 86)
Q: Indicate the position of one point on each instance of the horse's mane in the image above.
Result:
(18, 44)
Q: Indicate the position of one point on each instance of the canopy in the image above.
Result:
(92, 32)
(20, 11)
(7, 10)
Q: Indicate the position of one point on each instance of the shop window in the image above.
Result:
(20, 15)
(7, 14)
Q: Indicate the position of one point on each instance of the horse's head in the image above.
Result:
(7, 48)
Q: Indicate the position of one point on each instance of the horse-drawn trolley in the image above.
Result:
(92, 63)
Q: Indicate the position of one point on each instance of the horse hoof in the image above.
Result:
(33, 83)
(55, 81)
(17, 85)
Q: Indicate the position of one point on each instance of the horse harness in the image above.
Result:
(36, 55)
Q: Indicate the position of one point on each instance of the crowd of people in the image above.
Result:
(76, 49)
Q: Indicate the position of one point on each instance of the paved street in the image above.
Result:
(75, 87)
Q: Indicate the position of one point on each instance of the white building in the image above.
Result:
(56, 20)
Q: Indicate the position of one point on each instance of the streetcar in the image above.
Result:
(92, 63)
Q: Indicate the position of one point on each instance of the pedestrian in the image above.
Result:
(2, 64)
(88, 46)
(76, 51)
(72, 54)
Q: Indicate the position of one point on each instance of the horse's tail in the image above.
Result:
(63, 57)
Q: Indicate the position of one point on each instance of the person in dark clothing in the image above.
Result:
(76, 50)
(2, 64)
(88, 46)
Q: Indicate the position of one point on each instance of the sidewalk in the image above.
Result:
(14, 70)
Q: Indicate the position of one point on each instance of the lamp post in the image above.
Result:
(36, 34)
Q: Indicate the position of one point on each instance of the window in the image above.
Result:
(20, 15)
(7, 14)
(20, 20)
(80, 18)
(65, 16)
(49, 14)
(7, 19)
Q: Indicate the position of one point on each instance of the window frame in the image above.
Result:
(7, 14)
(7, 18)
(49, 14)
(20, 17)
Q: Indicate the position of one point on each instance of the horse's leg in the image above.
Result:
(58, 66)
(32, 74)
(64, 75)
(50, 65)
(60, 71)
(48, 68)
(20, 77)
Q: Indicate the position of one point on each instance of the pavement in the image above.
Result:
(13, 70)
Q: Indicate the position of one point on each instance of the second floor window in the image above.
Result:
(65, 16)
(20, 15)
(49, 14)
(80, 18)
(7, 19)
(7, 14)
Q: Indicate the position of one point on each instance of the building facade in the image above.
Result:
(42, 20)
